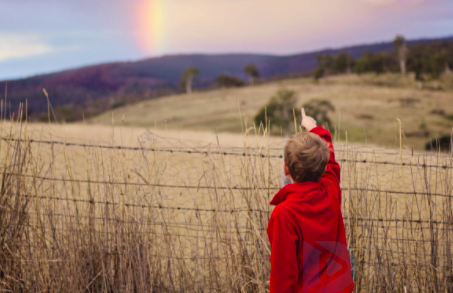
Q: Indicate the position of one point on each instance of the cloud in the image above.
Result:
(14, 46)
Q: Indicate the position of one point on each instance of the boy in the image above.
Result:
(306, 230)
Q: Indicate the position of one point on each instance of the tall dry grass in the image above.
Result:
(180, 216)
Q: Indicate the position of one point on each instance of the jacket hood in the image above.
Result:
(294, 190)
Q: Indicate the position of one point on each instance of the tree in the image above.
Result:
(279, 111)
(319, 110)
(343, 63)
(252, 73)
(325, 62)
(229, 81)
(380, 62)
(449, 53)
(187, 78)
(416, 61)
(401, 51)
(363, 64)
(318, 73)
(445, 50)
(436, 64)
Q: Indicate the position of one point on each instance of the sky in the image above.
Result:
(41, 36)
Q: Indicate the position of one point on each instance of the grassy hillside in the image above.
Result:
(95, 89)
(366, 108)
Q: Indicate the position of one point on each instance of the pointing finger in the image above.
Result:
(302, 110)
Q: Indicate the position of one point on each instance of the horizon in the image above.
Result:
(220, 54)
(53, 35)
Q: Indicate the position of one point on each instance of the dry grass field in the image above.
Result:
(88, 208)
(366, 108)
(159, 202)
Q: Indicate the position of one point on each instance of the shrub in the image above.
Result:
(442, 143)
(279, 111)
(65, 114)
(282, 107)
(117, 105)
(318, 73)
(229, 81)
(319, 109)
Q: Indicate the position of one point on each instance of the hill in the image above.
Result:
(366, 107)
(94, 89)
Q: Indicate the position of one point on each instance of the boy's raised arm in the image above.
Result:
(331, 176)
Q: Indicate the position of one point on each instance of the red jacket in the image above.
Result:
(306, 231)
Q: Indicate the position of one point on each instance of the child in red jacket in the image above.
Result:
(306, 230)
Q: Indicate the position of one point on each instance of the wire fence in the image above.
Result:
(225, 153)
(171, 215)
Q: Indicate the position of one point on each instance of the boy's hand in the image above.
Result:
(307, 122)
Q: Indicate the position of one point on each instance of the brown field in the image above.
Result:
(119, 209)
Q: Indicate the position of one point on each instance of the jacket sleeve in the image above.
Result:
(284, 266)
(331, 177)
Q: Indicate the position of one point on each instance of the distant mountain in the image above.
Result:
(94, 89)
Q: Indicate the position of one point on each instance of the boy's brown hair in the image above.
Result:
(306, 156)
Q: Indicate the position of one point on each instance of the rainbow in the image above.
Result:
(150, 23)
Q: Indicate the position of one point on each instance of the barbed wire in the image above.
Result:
(211, 187)
(138, 184)
(29, 246)
(219, 228)
(195, 258)
(243, 154)
(167, 233)
(418, 229)
(361, 149)
(400, 220)
(177, 235)
(427, 263)
(410, 240)
(146, 206)
(212, 210)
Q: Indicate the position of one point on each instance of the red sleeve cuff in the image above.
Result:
(319, 130)
(323, 133)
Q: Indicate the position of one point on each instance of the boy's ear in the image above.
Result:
(285, 168)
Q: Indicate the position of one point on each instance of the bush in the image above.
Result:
(279, 111)
(318, 73)
(282, 107)
(117, 105)
(229, 81)
(319, 109)
(65, 114)
(442, 143)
